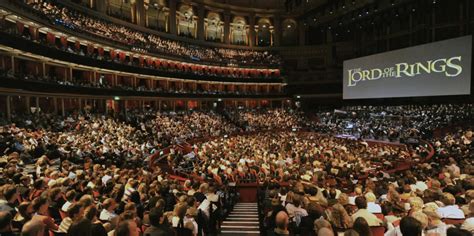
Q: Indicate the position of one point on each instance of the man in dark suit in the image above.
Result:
(158, 226)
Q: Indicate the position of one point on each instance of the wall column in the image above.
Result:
(301, 33)
(277, 31)
(140, 12)
(200, 22)
(8, 106)
(27, 103)
(44, 68)
(101, 6)
(172, 16)
(13, 64)
(55, 104)
(63, 111)
(252, 30)
(226, 28)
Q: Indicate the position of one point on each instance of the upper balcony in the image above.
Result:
(71, 18)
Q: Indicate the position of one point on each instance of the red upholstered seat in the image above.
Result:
(379, 215)
(377, 230)
(62, 214)
(450, 221)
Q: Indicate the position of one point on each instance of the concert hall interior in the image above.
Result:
(236, 117)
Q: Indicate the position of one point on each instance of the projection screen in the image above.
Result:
(435, 69)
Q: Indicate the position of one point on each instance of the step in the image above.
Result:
(242, 218)
(244, 233)
(239, 227)
(245, 212)
(243, 215)
(240, 222)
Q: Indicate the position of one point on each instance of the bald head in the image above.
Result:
(33, 228)
(281, 220)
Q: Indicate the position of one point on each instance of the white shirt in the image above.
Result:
(107, 215)
(65, 206)
(451, 212)
(292, 210)
(440, 230)
(468, 224)
(204, 207)
(373, 207)
(105, 179)
(420, 185)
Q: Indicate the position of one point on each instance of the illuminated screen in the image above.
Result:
(435, 69)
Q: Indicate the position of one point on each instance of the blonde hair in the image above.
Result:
(421, 217)
(343, 199)
(416, 203)
(370, 197)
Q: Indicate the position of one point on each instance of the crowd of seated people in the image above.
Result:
(430, 198)
(102, 83)
(84, 51)
(87, 174)
(78, 21)
(287, 155)
(394, 123)
(267, 119)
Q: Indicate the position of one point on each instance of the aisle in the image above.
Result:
(243, 220)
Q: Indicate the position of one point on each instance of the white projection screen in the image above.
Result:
(434, 69)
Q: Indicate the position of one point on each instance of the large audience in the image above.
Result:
(171, 70)
(78, 21)
(102, 83)
(393, 123)
(89, 174)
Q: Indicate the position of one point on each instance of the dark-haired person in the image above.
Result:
(6, 224)
(362, 227)
(9, 196)
(98, 228)
(362, 211)
(126, 228)
(410, 226)
(307, 222)
(158, 225)
(458, 232)
(83, 227)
